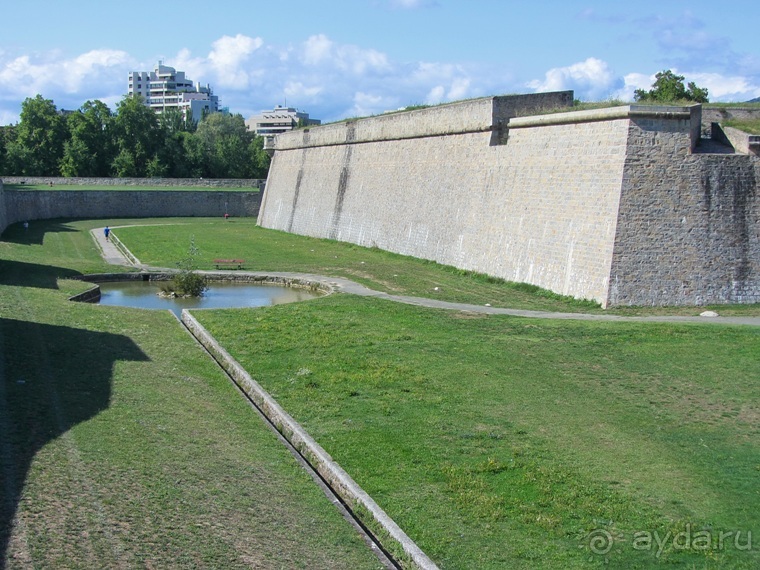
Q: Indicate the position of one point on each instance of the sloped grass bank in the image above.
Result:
(122, 445)
(270, 250)
(503, 442)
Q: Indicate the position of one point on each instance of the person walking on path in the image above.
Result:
(107, 232)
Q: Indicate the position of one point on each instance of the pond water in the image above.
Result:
(144, 295)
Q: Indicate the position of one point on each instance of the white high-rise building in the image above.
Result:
(167, 88)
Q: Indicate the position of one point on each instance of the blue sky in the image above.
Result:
(343, 58)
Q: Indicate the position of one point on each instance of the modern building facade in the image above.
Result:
(278, 120)
(166, 88)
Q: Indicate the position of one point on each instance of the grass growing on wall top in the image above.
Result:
(748, 126)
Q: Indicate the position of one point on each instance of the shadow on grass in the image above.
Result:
(35, 233)
(51, 379)
(22, 274)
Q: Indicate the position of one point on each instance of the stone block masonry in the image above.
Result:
(588, 203)
(29, 205)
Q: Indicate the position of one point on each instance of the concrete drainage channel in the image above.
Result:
(343, 491)
(385, 535)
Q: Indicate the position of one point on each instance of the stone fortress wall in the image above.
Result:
(29, 205)
(615, 205)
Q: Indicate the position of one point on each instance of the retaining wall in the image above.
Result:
(577, 202)
(21, 205)
(149, 182)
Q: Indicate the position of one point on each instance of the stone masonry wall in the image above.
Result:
(688, 226)
(141, 182)
(541, 208)
(20, 205)
(609, 205)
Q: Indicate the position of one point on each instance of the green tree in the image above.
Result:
(668, 87)
(137, 137)
(258, 159)
(77, 159)
(89, 151)
(3, 144)
(220, 146)
(11, 165)
(124, 165)
(172, 156)
(40, 137)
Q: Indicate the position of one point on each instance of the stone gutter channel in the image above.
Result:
(337, 480)
(392, 546)
(385, 538)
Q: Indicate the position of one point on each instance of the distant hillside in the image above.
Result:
(755, 100)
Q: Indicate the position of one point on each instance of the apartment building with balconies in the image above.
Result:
(166, 88)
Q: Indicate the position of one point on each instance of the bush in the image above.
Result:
(187, 283)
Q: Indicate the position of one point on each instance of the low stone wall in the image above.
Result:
(142, 182)
(28, 205)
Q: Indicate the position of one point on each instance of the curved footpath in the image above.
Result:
(115, 257)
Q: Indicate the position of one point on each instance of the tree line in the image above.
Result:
(133, 141)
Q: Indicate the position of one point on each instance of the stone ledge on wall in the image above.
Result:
(145, 182)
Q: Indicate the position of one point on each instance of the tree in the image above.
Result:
(220, 146)
(4, 133)
(89, 151)
(172, 156)
(40, 137)
(136, 136)
(258, 159)
(668, 87)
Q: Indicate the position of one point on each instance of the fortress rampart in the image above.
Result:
(613, 204)
(29, 205)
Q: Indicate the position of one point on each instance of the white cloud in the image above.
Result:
(723, 87)
(102, 73)
(436, 95)
(591, 79)
(326, 78)
(720, 87)
(227, 65)
(319, 50)
(295, 90)
(631, 82)
(8, 118)
(369, 104)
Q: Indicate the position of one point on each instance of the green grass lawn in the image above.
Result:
(123, 446)
(493, 441)
(505, 442)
